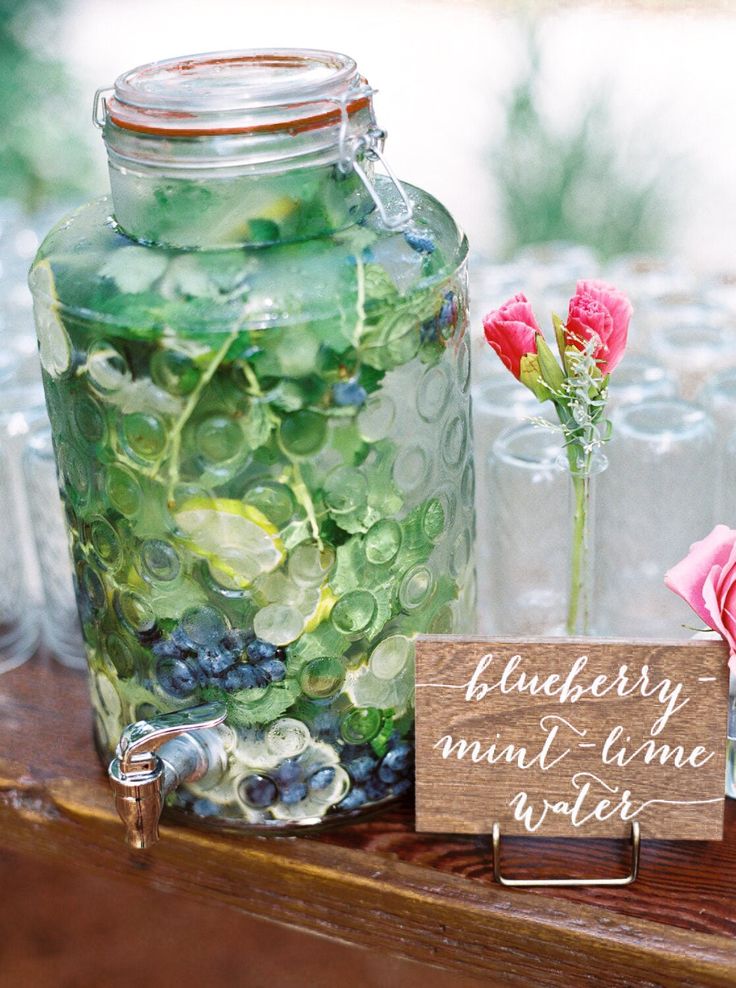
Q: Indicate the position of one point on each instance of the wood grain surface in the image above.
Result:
(567, 739)
(379, 884)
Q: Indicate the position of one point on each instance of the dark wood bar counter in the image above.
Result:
(378, 884)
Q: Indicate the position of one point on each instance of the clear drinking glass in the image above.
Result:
(61, 631)
(658, 288)
(655, 499)
(692, 343)
(726, 493)
(718, 397)
(528, 543)
(18, 621)
(493, 284)
(21, 408)
(498, 404)
(557, 261)
(646, 278)
(638, 379)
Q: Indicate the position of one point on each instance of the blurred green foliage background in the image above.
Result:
(44, 153)
(576, 183)
(551, 182)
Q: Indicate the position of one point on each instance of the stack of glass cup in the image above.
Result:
(672, 401)
(672, 459)
(36, 593)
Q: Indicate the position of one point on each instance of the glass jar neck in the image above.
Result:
(231, 208)
(239, 148)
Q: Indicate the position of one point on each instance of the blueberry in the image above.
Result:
(352, 751)
(288, 772)
(182, 639)
(293, 793)
(214, 664)
(362, 768)
(258, 791)
(401, 787)
(242, 677)
(399, 758)
(349, 393)
(236, 641)
(326, 725)
(448, 312)
(322, 778)
(176, 677)
(353, 800)
(146, 636)
(422, 244)
(375, 789)
(205, 807)
(261, 676)
(429, 331)
(167, 648)
(84, 602)
(259, 651)
(386, 774)
(274, 669)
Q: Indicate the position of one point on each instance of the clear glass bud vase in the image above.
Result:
(584, 469)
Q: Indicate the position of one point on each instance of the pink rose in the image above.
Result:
(512, 332)
(706, 579)
(602, 313)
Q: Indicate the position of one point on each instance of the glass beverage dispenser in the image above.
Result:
(256, 364)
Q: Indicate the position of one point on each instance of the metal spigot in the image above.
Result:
(188, 749)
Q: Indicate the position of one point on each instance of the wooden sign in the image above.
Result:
(571, 738)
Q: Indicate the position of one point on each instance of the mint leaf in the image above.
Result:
(256, 425)
(324, 640)
(245, 711)
(134, 269)
(132, 693)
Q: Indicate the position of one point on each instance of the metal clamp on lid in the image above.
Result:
(371, 144)
(99, 106)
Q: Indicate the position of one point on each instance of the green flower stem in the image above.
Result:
(578, 624)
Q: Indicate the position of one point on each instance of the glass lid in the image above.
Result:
(238, 92)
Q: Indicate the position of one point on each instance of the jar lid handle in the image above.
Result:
(371, 143)
(99, 106)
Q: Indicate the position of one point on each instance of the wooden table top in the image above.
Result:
(377, 883)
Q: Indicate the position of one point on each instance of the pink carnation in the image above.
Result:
(600, 313)
(512, 332)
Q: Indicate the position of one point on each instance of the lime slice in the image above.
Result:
(367, 687)
(53, 340)
(237, 540)
(322, 608)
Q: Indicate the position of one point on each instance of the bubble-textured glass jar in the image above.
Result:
(257, 369)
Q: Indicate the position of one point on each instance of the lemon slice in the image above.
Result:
(237, 540)
(54, 345)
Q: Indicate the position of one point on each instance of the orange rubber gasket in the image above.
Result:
(314, 122)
